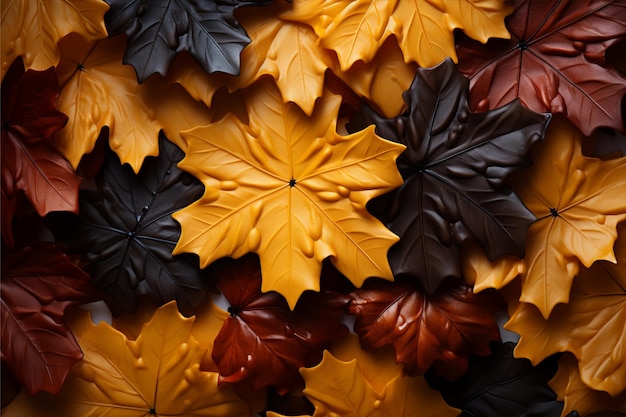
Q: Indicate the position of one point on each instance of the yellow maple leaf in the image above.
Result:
(97, 91)
(156, 374)
(32, 28)
(579, 397)
(578, 202)
(483, 274)
(350, 382)
(357, 29)
(591, 325)
(290, 188)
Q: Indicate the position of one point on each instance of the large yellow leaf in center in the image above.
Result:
(290, 188)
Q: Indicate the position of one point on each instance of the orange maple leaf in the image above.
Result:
(350, 382)
(156, 374)
(357, 29)
(290, 188)
(578, 202)
(32, 28)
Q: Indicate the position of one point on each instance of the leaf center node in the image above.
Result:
(554, 213)
(522, 45)
(153, 412)
(232, 311)
(292, 182)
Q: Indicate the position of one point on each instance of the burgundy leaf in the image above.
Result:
(264, 340)
(38, 284)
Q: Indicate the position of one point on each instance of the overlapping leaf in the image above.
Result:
(502, 385)
(32, 29)
(290, 188)
(356, 30)
(38, 283)
(126, 233)
(159, 30)
(352, 383)
(578, 202)
(29, 163)
(591, 325)
(554, 62)
(442, 330)
(156, 374)
(579, 397)
(263, 340)
(453, 169)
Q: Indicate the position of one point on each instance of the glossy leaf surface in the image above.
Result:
(38, 283)
(29, 163)
(592, 321)
(263, 340)
(159, 30)
(578, 202)
(503, 385)
(126, 233)
(453, 170)
(554, 62)
(352, 383)
(32, 28)
(356, 30)
(290, 188)
(439, 331)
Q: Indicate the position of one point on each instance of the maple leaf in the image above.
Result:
(126, 233)
(264, 340)
(156, 374)
(453, 169)
(32, 29)
(591, 321)
(578, 202)
(554, 62)
(29, 163)
(99, 91)
(356, 30)
(579, 397)
(158, 30)
(440, 330)
(482, 274)
(351, 383)
(502, 385)
(290, 188)
(39, 283)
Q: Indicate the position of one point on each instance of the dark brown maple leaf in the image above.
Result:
(554, 62)
(440, 330)
(454, 169)
(29, 163)
(263, 340)
(38, 283)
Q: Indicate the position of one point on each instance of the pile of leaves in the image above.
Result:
(313, 207)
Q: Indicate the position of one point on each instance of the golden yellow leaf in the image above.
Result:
(97, 91)
(579, 397)
(357, 29)
(578, 202)
(156, 374)
(591, 325)
(290, 188)
(483, 274)
(32, 28)
(355, 383)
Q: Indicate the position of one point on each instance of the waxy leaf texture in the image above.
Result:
(424, 29)
(590, 325)
(349, 382)
(290, 188)
(32, 28)
(157, 374)
(502, 385)
(38, 283)
(263, 340)
(160, 29)
(554, 62)
(29, 163)
(453, 170)
(578, 202)
(439, 331)
(126, 233)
